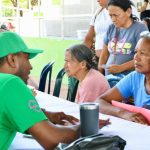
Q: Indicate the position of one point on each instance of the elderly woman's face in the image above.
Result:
(142, 56)
(119, 17)
(72, 66)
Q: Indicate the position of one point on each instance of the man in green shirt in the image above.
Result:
(19, 111)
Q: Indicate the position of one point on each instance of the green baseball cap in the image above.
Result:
(11, 43)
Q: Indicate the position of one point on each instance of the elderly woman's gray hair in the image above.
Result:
(82, 53)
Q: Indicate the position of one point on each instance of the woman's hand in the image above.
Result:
(134, 117)
(114, 68)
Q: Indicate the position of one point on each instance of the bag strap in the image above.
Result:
(115, 46)
(98, 13)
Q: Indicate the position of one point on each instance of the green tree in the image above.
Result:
(23, 4)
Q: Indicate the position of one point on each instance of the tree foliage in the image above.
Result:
(34, 2)
(14, 2)
(23, 4)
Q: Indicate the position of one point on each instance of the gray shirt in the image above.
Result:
(121, 42)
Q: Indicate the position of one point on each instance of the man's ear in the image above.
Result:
(11, 60)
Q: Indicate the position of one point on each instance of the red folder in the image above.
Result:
(145, 112)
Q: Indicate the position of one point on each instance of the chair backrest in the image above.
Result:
(58, 82)
(72, 87)
(44, 73)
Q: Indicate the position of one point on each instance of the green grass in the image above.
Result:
(53, 50)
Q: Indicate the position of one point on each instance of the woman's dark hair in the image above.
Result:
(82, 53)
(124, 5)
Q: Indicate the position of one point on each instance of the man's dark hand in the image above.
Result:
(60, 118)
(103, 123)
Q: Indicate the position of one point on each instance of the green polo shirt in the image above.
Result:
(18, 109)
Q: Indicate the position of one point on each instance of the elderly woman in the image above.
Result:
(120, 40)
(80, 65)
(135, 84)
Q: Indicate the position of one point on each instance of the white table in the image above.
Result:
(136, 135)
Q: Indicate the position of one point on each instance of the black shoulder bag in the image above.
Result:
(96, 142)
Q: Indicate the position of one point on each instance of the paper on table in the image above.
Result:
(131, 108)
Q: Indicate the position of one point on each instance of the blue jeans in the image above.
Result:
(113, 79)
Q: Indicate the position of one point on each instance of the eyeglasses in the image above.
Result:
(145, 34)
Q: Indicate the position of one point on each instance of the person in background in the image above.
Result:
(135, 84)
(144, 12)
(80, 65)
(120, 40)
(146, 21)
(10, 27)
(3, 28)
(20, 111)
(99, 25)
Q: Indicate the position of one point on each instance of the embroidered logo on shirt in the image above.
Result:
(33, 105)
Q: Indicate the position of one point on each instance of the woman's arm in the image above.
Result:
(89, 38)
(103, 59)
(127, 66)
(107, 108)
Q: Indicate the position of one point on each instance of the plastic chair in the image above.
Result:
(44, 73)
(58, 82)
(72, 88)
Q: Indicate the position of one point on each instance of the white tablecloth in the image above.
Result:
(136, 135)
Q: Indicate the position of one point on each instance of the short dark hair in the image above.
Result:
(124, 5)
(82, 53)
(2, 60)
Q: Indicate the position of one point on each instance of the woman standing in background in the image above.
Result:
(120, 39)
(99, 25)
